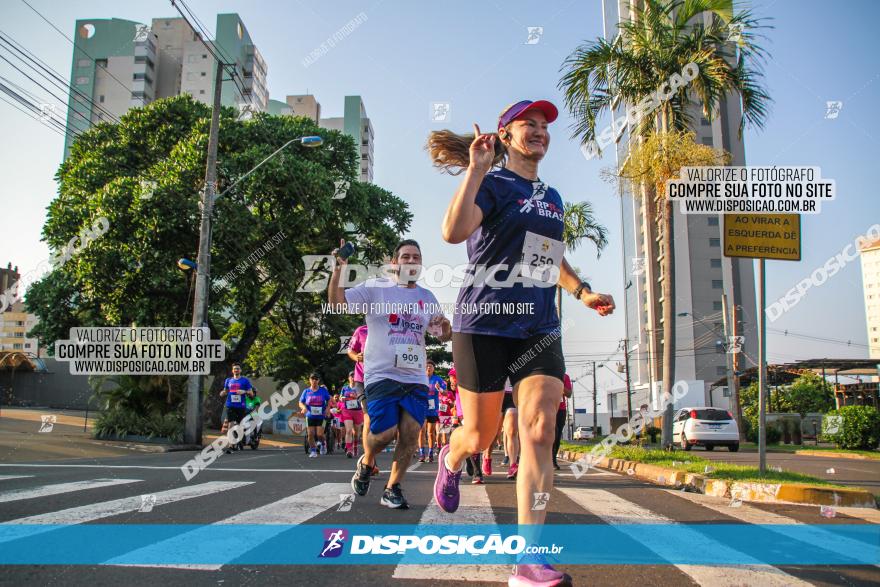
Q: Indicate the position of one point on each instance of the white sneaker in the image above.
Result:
(323, 449)
(313, 454)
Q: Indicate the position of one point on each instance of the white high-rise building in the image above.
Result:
(870, 255)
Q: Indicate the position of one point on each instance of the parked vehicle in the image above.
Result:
(704, 426)
(583, 433)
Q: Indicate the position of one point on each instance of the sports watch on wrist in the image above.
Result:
(580, 289)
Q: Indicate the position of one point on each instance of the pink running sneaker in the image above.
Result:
(446, 490)
(487, 465)
(537, 575)
(511, 472)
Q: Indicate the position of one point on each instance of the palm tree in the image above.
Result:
(661, 38)
(579, 224)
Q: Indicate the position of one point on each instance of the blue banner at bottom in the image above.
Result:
(311, 544)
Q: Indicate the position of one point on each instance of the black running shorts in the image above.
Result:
(483, 362)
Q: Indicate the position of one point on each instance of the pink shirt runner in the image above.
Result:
(357, 343)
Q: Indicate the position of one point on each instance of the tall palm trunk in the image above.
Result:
(668, 289)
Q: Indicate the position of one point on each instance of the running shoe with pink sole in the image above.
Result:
(487, 466)
(542, 575)
(512, 470)
(446, 491)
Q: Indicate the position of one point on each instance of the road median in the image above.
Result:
(752, 490)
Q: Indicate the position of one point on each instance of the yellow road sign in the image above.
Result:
(762, 236)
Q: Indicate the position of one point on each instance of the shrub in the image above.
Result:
(123, 422)
(855, 427)
(773, 433)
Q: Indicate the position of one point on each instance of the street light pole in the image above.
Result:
(595, 403)
(193, 425)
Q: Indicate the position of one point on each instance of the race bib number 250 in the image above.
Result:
(541, 257)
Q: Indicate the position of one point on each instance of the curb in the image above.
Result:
(832, 454)
(757, 492)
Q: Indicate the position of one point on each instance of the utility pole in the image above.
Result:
(595, 404)
(732, 379)
(193, 424)
(762, 369)
(629, 405)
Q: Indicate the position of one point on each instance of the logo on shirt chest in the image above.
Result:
(536, 203)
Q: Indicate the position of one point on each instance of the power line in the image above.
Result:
(35, 63)
(60, 131)
(36, 108)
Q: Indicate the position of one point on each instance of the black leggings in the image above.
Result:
(560, 424)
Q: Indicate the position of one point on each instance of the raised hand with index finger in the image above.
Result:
(482, 150)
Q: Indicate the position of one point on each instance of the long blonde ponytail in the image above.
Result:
(450, 152)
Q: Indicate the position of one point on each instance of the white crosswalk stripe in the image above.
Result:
(777, 523)
(295, 509)
(8, 477)
(58, 488)
(107, 509)
(616, 510)
(474, 508)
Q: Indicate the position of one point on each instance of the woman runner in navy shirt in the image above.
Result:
(506, 323)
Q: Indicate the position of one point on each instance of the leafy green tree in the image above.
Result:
(653, 47)
(809, 393)
(144, 175)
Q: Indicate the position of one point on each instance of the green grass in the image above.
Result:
(719, 470)
(692, 463)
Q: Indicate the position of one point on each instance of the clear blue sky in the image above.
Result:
(473, 55)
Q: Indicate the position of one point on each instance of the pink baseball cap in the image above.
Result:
(516, 110)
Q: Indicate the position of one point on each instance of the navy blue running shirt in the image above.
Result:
(512, 206)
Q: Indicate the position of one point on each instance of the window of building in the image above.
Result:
(713, 221)
(204, 55)
(704, 121)
(204, 74)
(81, 81)
(201, 91)
(714, 242)
(715, 263)
(716, 306)
(16, 347)
(101, 98)
(706, 141)
(101, 63)
(717, 284)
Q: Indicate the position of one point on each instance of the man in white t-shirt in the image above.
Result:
(398, 312)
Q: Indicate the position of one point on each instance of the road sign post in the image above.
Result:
(762, 237)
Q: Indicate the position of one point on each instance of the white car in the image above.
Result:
(704, 426)
(583, 433)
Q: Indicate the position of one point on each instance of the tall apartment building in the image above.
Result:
(354, 122)
(15, 321)
(870, 254)
(119, 64)
(702, 272)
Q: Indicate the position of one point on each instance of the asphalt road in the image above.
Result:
(280, 483)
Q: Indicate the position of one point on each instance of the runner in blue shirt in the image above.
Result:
(314, 404)
(235, 390)
(428, 434)
(506, 323)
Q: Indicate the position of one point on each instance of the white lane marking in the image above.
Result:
(839, 545)
(474, 508)
(616, 510)
(8, 477)
(276, 517)
(169, 468)
(58, 488)
(107, 509)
